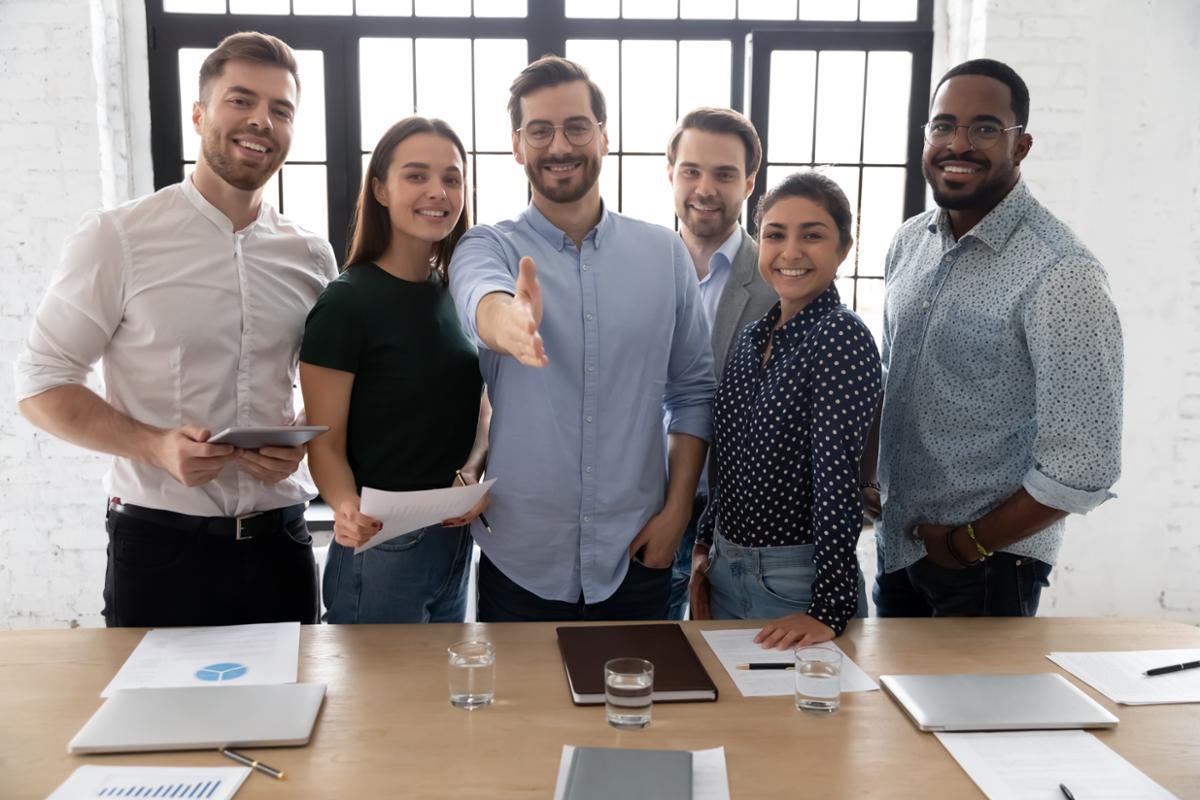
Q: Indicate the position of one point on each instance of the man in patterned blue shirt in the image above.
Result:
(1003, 364)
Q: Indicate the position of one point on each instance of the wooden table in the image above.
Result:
(387, 729)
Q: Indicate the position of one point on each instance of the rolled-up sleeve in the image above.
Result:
(80, 311)
(690, 382)
(1077, 352)
(481, 265)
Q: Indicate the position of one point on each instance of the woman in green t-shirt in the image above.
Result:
(385, 364)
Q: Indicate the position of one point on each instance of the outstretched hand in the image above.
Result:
(517, 333)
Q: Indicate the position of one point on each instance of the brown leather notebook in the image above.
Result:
(678, 674)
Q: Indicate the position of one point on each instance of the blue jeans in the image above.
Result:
(1003, 585)
(764, 582)
(681, 570)
(420, 577)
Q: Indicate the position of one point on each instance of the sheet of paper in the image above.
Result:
(734, 647)
(1029, 765)
(251, 654)
(710, 777)
(1118, 675)
(209, 783)
(405, 512)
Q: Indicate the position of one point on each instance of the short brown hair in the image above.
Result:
(252, 46)
(720, 120)
(547, 71)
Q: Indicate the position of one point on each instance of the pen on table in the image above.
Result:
(1066, 792)
(1172, 668)
(482, 518)
(767, 665)
(252, 763)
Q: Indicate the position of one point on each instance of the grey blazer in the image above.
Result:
(745, 298)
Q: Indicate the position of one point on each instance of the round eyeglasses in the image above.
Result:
(981, 135)
(577, 132)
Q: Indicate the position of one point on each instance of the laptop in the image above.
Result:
(201, 718)
(1041, 701)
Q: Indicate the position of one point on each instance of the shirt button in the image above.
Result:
(588, 468)
(587, 519)
(591, 368)
(585, 267)
(925, 304)
(588, 418)
(589, 316)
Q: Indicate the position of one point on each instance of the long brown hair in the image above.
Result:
(371, 227)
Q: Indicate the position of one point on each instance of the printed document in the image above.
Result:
(1118, 675)
(210, 783)
(405, 512)
(733, 647)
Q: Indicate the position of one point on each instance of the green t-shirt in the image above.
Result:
(415, 401)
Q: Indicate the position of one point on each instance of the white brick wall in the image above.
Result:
(1116, 154)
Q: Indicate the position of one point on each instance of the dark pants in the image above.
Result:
(1004, 585)
(642, 595)
(162, 576)
(681, 571)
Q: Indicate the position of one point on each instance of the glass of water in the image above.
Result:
(818, 678)
(628, 691)
(472, 674)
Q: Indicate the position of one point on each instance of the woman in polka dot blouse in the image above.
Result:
(791, 416)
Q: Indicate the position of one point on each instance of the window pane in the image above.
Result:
(881, 213)
(194, 6)
(609, 177)
(305, 197)
(594, 9)
(793, 84)
(323, 6)
(497, 62)
(866, 297)
(190, 59)
(650, 9)
(308, 140)
(501, 8)
(829, 9)
(645, 192)
(600, 57)
(839, 105)
(887, 10)
(707, 9)
(886, 130)
(260, 7)
(383, 8)
(385, 82)
(443, 8)
(767, 9)
(704, 75)
(648, 94)
(443, 80)
(501, 190)
(844, 177)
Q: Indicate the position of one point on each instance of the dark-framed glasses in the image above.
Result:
(578, 132)
(981, 135)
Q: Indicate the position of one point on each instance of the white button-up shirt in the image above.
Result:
(195, 323)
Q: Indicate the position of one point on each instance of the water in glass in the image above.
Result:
(472, 675)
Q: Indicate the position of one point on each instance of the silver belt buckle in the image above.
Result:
(239, 537)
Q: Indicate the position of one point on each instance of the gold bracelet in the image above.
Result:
(983, 551)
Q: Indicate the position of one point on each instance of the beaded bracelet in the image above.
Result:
(983, 551)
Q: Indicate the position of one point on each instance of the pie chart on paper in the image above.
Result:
(221, 673)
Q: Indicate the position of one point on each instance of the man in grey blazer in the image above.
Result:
(712, 159)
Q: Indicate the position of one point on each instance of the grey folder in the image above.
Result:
(201, 718)
(1041, 701)
(606, 773)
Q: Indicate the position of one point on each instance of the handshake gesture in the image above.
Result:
(510, 324)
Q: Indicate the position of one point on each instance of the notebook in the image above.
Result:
(678, 674)
(605, 773)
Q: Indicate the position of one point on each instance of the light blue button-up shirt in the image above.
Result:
(577, 446)
(1003, 368)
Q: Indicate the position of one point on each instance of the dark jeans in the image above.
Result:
(642, 595)
(1004, 585)
(681, 570)
(159, 576)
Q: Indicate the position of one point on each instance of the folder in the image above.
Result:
(604, 773)
(678, 674)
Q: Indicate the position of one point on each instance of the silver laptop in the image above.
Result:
(1042, 701)
(201, 717)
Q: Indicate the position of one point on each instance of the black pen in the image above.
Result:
(252, 763)
(1172, 668)
(482, 518)
(1066, 792)
(767, 665)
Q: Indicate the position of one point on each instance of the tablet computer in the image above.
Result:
(281, 436)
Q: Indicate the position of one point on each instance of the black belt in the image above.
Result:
(246, 526)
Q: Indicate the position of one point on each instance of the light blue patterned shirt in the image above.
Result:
(577, 447)
(1003, 368)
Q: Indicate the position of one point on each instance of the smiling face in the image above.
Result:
(961, 176)
(561, 172)
(798, 251)
(709, 182)
(245, 124)
(423, 192)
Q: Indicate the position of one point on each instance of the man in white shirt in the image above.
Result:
(195, 298)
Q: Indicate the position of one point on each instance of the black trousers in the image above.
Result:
(1004, 585)
(161, 576)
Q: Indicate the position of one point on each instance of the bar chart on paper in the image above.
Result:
(197, 783)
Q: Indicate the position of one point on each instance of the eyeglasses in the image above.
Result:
(578, 132)
(981, 135)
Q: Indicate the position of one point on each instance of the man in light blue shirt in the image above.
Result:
(589, 325)
(1003, 367)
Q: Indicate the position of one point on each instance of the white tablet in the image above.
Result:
(282, 436)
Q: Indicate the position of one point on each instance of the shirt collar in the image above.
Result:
(214, 214)
(727, 250)
(557, 239)
(999, 223)
(795, 329)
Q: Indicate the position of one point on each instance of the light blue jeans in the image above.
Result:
(420, 577)
(764, 582)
